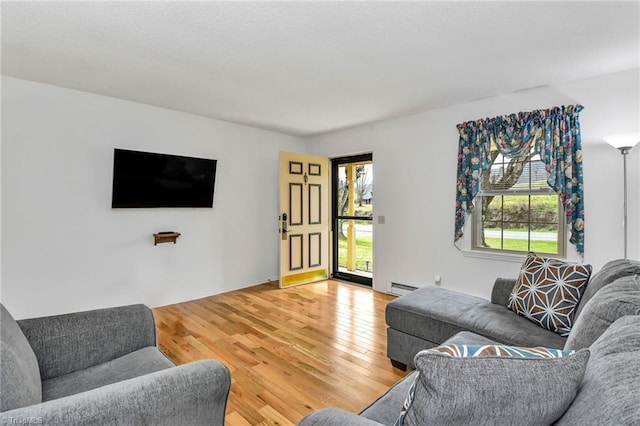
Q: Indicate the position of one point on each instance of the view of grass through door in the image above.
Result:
(353, 218)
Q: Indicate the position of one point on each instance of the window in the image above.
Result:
(515, 210)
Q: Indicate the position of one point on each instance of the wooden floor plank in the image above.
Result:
(290, 351)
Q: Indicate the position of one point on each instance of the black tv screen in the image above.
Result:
(145, 179)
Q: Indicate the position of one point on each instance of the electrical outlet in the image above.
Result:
(381, 220)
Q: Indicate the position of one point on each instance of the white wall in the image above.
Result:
(64, 249)
(415, 172)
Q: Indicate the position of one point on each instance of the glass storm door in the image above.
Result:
(353, 218)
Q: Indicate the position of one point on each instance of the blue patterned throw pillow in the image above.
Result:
(504, 351)
(407, 402)
(496, 367)
(548, 291)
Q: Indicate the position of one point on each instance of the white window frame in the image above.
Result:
(507, 254)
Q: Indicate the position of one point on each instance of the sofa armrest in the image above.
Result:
(71, 342)
(501, 291)
(336, 417)
(191, 394)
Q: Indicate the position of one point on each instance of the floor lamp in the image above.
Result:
(624, 143)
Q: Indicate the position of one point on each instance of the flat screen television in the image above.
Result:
(145, 179)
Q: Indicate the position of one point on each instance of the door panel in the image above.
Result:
(315, 204)
(304, 218)
(295, 252)
(315, 249)
(295, 203)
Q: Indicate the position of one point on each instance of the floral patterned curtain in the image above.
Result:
(555, 135)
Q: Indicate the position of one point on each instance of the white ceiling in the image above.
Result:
(306, 68)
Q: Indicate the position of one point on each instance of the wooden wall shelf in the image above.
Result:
(165, 237)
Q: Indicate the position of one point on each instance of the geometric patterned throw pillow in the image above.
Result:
(548, 291)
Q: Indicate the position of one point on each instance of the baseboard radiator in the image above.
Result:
(401, 289)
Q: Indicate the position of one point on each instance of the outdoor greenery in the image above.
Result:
(362, 188)
(364, 253)
(366, 210)
(517, 213)
(521, 245)
(545, 202)
(513, 212)
(362, 183)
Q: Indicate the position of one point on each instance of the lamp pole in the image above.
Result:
(624, 143)
(624, 150)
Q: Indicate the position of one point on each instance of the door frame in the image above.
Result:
(335, 269)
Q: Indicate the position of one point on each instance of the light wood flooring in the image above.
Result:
(290, 351)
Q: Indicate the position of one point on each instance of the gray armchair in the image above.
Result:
(102, 367)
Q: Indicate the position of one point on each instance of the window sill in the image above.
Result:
(504, 257)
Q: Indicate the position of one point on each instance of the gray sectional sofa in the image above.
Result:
(102, 367)
(607, 325)
(427, 317)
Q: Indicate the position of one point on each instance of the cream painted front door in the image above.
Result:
(304, 218)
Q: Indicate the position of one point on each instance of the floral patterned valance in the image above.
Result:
(555, 135)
